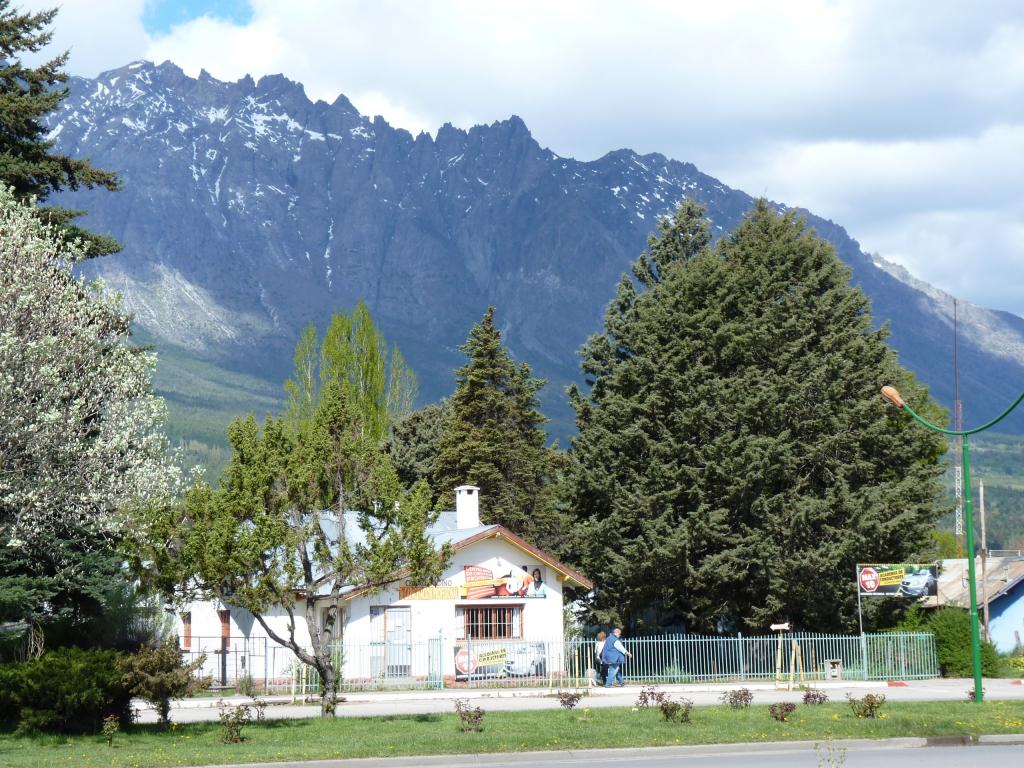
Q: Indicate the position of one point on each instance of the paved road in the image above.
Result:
(894, 753)
(428, 702)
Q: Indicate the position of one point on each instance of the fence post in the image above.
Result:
(864, 653)
(903, 655)
(743, 673)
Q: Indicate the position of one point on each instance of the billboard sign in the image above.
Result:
(898, 580)
(493, 659)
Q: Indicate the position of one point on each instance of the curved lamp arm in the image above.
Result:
(893, 396)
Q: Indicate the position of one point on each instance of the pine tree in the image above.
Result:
(735, 460)
(415, 442)
(27, 95)
(495, 438)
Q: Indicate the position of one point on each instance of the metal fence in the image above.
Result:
(444, 663)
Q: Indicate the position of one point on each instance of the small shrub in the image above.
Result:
(110, 728)
(160, 675)
(781, 710)
(261, 708)
(649, 696)
(971, 695)
(866, 708)
(675, 711)
(470, 718)
(247, 686)
(815, 696)
(569, 699)
(232, 720)
(739, 699)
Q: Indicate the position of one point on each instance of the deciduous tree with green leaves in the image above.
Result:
(734, 459)
(273, 535)
(495, 438)
(27, 95)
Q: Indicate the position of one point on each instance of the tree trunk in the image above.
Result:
(328, 688)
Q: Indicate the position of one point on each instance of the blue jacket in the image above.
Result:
(610, 654)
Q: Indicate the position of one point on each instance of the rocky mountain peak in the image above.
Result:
(248, 211)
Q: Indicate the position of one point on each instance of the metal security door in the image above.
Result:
(398, 622)
(391, 644)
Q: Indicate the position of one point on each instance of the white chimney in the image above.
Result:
(467, 507)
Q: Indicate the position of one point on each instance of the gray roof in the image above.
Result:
(1002, 575)
(444, 531)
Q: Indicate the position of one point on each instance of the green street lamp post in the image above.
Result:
(890, 394)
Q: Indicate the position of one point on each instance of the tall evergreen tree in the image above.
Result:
(495, 437)
(27, 96)
(415, 441)
(734, 459)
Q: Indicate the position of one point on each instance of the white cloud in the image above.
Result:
(903, 122)
(101, 34)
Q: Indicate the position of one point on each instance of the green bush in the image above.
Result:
(952, 630)
(866, 708)
(64, 691)
(676, 711)
(160, 675)
(10, 684)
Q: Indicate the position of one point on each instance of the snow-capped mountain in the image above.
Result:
(249, 210)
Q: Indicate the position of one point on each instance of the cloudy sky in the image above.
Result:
(903, 121)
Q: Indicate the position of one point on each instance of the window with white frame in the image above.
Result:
(485, 622)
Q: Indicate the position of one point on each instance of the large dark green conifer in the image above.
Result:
(27, 95)
(735, 460)
(495, 437)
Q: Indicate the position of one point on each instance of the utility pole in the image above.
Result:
(958, 417)
(984, 559)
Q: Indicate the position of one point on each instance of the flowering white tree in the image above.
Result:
(81, 432)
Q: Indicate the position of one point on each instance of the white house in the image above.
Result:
(497, 611)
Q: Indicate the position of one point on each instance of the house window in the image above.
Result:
(487, 623)
(186, 630)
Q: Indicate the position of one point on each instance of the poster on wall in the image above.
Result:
(483, 583)
(480, 660)
(898, 580)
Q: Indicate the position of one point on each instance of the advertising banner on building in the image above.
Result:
(490, 659)
(898, 580)
(479, 583)
(482, 583)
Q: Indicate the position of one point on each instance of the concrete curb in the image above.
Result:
(1003, 739)
(583, 756)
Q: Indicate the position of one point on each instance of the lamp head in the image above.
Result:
(893, 396)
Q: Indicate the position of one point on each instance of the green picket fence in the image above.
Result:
(666, 659)
(803, 655)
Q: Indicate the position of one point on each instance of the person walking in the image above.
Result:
(614, 655)
(602, 668)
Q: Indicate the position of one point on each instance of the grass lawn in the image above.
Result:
(199, 743)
